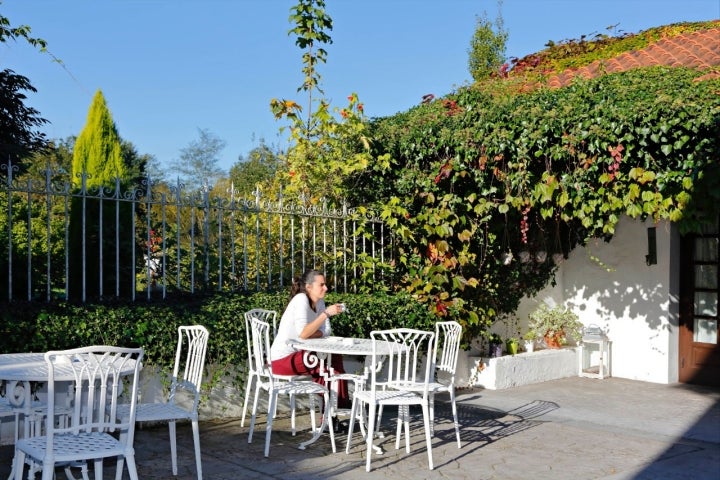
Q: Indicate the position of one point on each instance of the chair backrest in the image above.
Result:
(402, 351)
(447, 347)
(190, 358)
(269, 316)
(98, 374)
(258, 338)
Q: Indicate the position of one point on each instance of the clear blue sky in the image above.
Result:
(169, 67)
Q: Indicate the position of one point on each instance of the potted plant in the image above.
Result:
(495, 345)
(529, 340)
(511, 345)
(555, 325)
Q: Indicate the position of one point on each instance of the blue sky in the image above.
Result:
(170, 67)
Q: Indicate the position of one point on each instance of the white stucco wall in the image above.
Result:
(635, 304)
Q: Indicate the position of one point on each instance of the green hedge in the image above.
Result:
(153, 325)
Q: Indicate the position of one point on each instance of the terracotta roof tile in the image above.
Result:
(699, 50)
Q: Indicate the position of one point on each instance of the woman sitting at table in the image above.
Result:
(306, 316)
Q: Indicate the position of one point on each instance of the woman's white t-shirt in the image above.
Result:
(297, 314)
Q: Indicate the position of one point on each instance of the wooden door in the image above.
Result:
(699, 291)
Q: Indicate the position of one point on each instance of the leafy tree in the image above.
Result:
(18, 137)
(98, 149)
(18, 122)
(100, 171)
(199, 160)
(259, 168)
(325, 151)
(487, 47)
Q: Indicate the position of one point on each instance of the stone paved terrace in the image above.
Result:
(572, 428)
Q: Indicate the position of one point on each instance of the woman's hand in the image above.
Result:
(333, 310)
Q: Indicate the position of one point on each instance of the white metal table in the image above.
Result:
(18, 370)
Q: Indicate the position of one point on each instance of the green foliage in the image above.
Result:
(38, 327)
(487, 47)
(311, 26)
(546, 321)
(8, 32)
(477, 173)
(199, 160)
(97, 149)
(18, 137)
(258, 169)
(99, 167)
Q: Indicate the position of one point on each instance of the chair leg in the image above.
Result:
(403, 423)
(121, 459)
(173, 446)
(268, 428)
(431, 400)
(327, 412)
(99, 469)
(313, 421)
(428, 438)
(292, 414)
(48, 472)
(369, 440)
(18, 465)
(132, 469)
(455, 416)
(248, 388)
(351, 427)
(254, 412)
(196, 439)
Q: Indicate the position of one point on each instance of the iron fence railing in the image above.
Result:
(147, 239)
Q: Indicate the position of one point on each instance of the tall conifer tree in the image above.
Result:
(98, 148)
(98, 153)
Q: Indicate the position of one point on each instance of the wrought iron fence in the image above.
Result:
(148, 239)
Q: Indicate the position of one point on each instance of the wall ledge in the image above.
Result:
(496, 373)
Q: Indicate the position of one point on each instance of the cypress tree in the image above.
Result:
(98, 154)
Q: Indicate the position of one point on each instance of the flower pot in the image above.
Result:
(554, 341)
(529, 345)
(511, 346)
(496, 350)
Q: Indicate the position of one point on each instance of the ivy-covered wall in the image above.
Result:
(500, 167)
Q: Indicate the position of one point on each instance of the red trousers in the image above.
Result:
(293, 364)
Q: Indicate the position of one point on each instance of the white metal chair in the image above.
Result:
(269, 316)
(98, 373)
(259, 345)
(442, 369)
(190, 357)
(255, 377)
(407, 347)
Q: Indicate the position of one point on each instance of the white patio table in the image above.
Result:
(319, 350)
(18, 370)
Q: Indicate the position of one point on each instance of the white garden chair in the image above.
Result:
(442, 370)
(190, 357)
(261, 363)
(407, 347)
(98, 373)
(269, 316)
